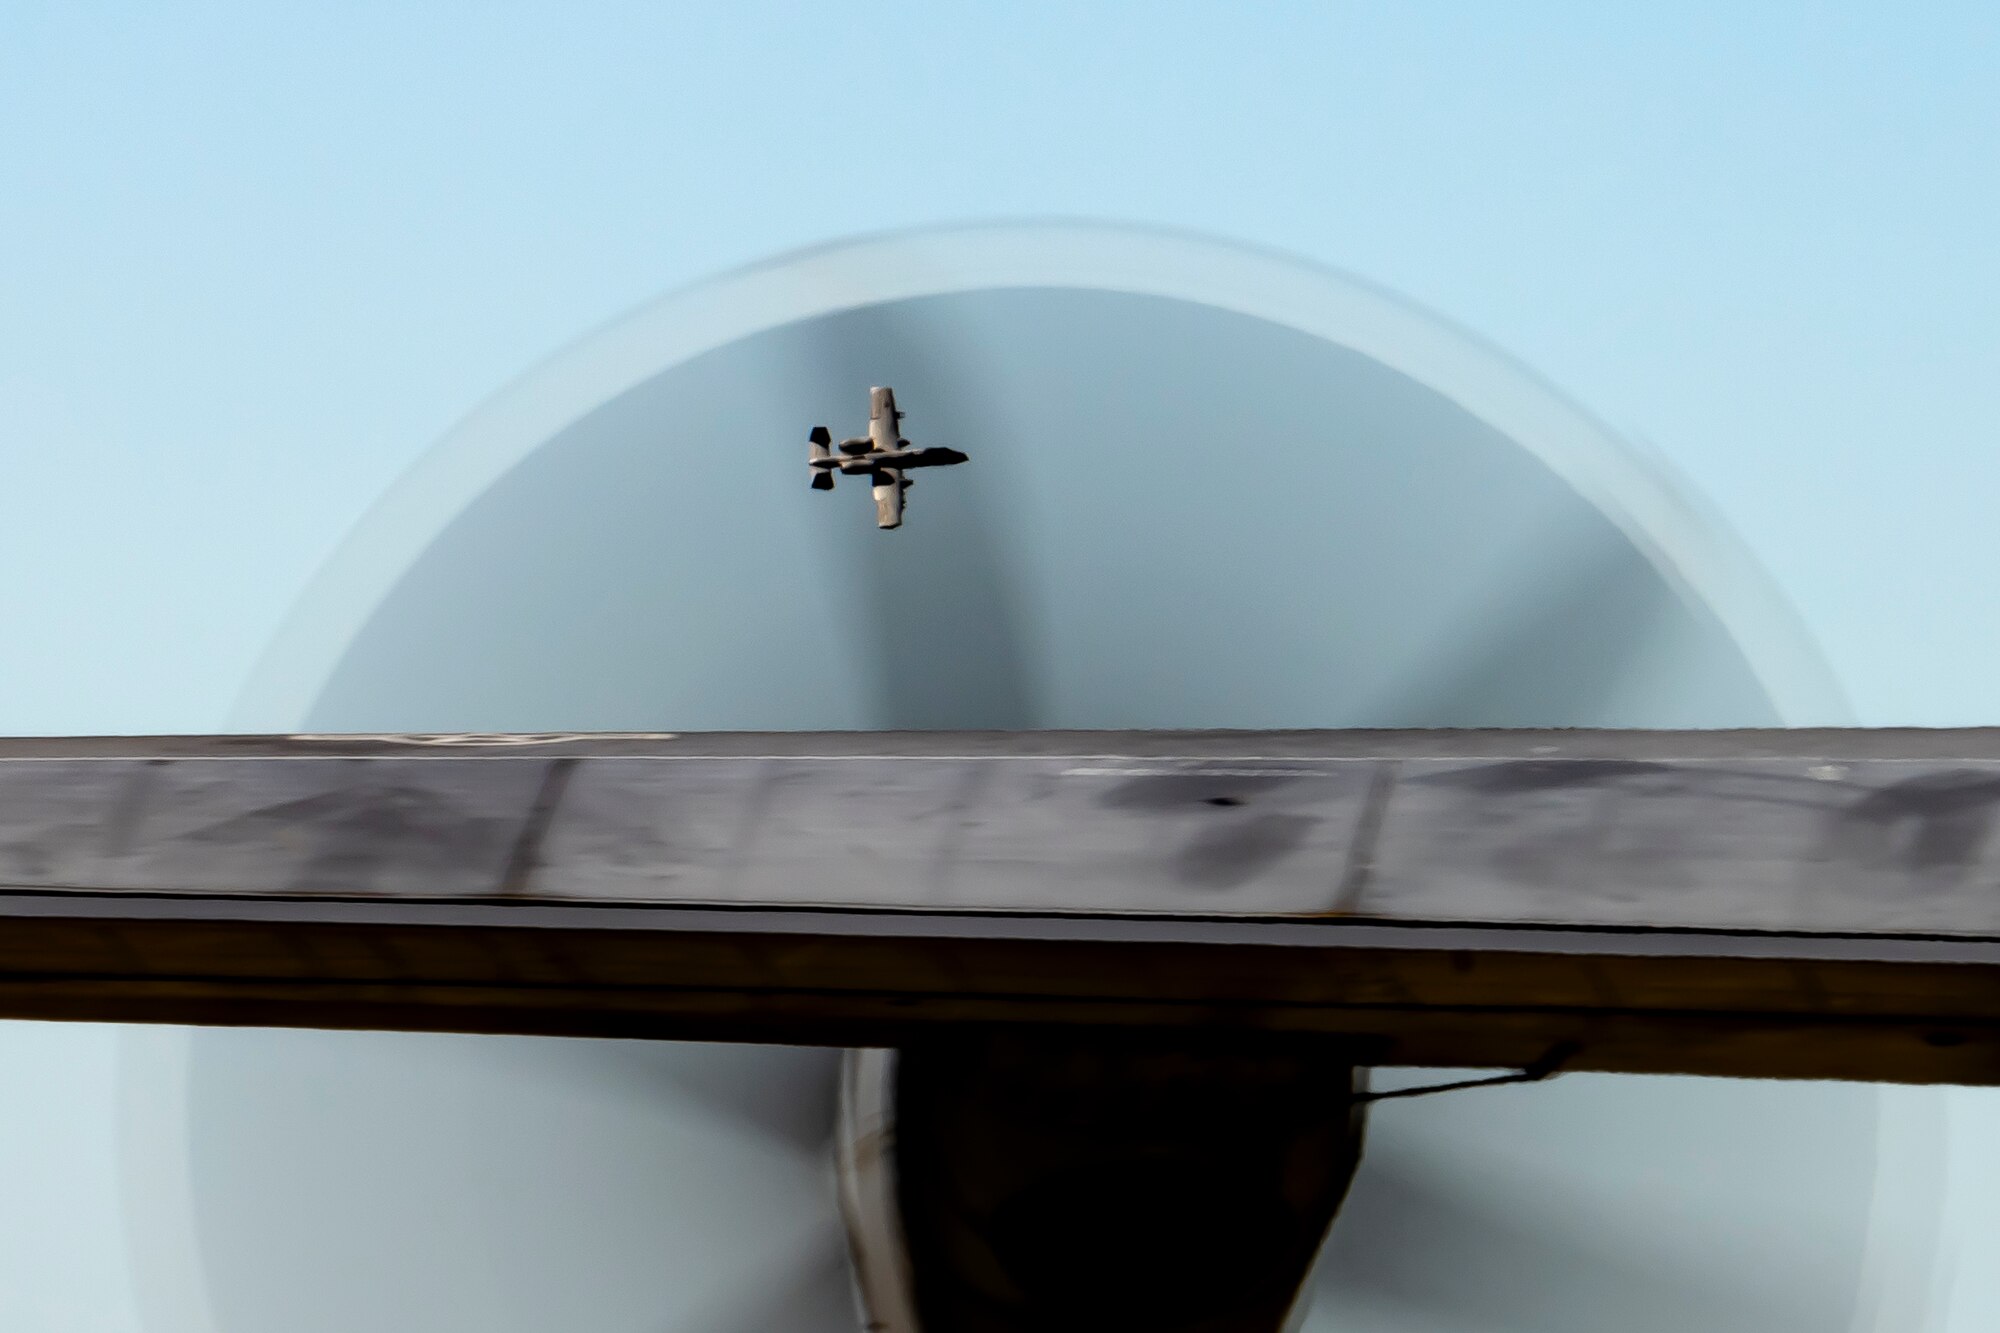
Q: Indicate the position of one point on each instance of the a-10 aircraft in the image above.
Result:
(882, 455)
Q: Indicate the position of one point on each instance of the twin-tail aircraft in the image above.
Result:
(882, 455)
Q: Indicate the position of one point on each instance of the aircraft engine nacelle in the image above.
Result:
(1061, 1182)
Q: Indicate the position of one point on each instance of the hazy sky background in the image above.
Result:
(255, 257)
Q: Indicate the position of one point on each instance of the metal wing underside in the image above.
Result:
(889, 488)
(1663, 902)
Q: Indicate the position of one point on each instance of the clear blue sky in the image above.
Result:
(255, 257)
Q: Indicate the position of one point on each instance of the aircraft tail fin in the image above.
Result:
(821, 440)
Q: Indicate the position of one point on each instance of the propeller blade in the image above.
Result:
(944, 644)
(784, 1096)
(945, 639)
(1458, 1263)
(814, 1294)
(1554, 638)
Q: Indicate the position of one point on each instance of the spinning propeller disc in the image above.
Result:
(1187, 510)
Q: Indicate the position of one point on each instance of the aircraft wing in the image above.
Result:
(935, 456)
(1759, 904)
(889, 488)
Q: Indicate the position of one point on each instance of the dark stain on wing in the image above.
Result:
(49, 817)
(355, 834)
(1931, 822)
(29, 860)
(1235, 851)
(1525, 776)
(1234, 841)
(1177, 792)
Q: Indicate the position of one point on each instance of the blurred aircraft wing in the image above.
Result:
(1787, 903)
